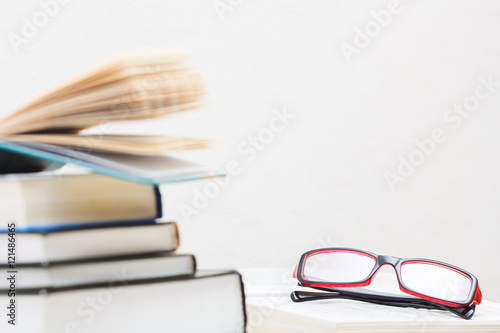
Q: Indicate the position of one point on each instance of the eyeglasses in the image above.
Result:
(431, 284)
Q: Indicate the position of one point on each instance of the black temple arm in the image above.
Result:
(378, 298)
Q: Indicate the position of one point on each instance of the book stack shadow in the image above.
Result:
(90, 253)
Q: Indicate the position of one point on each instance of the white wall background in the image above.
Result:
(319, 182)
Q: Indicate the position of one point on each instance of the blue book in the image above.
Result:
(48, 201)
(90, 242)
(154, 170)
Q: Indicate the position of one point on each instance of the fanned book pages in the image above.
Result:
(270, 310)
(136, 86)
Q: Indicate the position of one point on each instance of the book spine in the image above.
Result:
(243, 297)
(159, 205)
(177, 237)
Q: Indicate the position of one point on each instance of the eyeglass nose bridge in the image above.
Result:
(393, 261)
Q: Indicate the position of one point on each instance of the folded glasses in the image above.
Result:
(431, 284)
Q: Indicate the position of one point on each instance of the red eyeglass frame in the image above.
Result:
(473, 298)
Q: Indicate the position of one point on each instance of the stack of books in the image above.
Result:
(88, 251)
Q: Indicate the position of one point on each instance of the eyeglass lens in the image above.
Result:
(426, 278)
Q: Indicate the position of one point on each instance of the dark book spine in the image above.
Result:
(159, 206)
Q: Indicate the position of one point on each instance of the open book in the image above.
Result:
(270, 310)
(135, 86)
